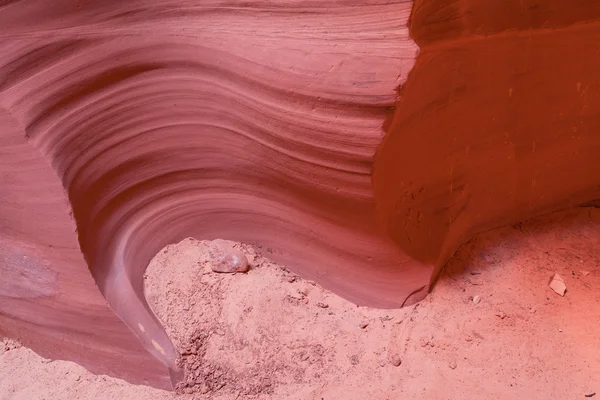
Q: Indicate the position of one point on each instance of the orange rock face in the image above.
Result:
(127, 126)
(497, 122)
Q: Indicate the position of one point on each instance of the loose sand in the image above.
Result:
(491, 329)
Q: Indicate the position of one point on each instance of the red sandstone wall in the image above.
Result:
(125, 126)
(153, 121)
(497, 122)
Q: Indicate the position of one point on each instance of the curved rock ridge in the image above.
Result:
(127, 126)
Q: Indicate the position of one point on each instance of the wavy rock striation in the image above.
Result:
(126, 126)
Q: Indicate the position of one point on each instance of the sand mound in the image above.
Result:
(491, 329)
(492, 324)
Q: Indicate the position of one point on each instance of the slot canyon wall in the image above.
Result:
(126, 126)
(497, 123)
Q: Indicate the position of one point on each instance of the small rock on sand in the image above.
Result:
(558, 285)
(395, 360)
(501, 314)
(363, 324)
(452, 364)
(476, 299)
(225, 258)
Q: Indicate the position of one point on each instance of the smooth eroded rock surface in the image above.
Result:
(132, 125)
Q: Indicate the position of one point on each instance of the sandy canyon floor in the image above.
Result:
(491, 328)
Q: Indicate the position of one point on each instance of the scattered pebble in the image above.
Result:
(558, 285)
(584, 273)
(188, 390)
(225, 258)
(475, 280)
(395, 360)
(477, 335)
(590, 395)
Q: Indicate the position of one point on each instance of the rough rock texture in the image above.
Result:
(497, 123)
(7, 345)
(126, 126)
(225, 258)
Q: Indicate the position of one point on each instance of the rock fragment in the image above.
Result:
(225, 258)
(476, 299)
(395, 360)
(363, 324)
(558, 285)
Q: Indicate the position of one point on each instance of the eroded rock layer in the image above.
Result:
(497, 123)
(150, 121)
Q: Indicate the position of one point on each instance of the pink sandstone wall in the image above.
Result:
(126, 126)
(131, 125)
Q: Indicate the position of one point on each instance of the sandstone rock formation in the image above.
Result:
(126, 126)
(496, 124)
(130, 125)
